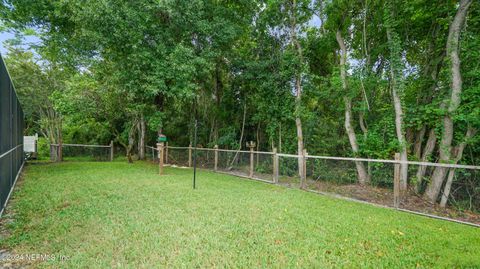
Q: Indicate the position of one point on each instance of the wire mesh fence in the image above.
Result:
(11, 136)
(151, 154)
(234, 162)
(288, 172)
(178, 156)
(81, 152)
(263, 165)
(459, 194)
(339, 176)
(205, 158)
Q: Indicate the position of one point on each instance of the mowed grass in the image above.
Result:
(103, 215)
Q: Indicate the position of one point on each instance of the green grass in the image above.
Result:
(104, 215)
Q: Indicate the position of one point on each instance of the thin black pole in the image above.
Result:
(195, 155)
(195, 146)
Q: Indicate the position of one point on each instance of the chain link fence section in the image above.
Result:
(151, 154)
(11, 136)
(82, 152)
(205, 158)
(178, 156)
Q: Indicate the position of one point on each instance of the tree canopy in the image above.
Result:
(362, 78)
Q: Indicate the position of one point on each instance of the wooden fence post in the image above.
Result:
(190, 155)
(160, 156)
(216, 158)
(303, 178)
(275, 166)
(396, 182)
(52, 152)
(252, 161)
(111, 150)
(60, 151)
(166, 152)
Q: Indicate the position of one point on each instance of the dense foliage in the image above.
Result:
(264, 70)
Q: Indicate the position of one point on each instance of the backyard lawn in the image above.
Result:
(102, 215)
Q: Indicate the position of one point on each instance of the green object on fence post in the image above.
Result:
(161, 138)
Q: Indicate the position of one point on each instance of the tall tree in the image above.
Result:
(445, 148)
(397, 88)
(363, 176)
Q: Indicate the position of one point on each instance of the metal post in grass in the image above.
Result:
(160, 157)
(190, 155)
(215, 166)
(195, 155)
(396, 182)
(111, 151)
(275, 166)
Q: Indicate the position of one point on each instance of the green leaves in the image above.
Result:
(109, 61)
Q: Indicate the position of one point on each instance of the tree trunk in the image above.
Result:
(241, 136)
(427, 152)
(363, 126)
(397, 102)
(417, 149)
(362, 174)
(298, 124)
(401, 139)
(257, 137)
(455, 29)
(141, 138)
(60, 141)
(280, 138)
(218, 96)
(451, 173)
(409, 136)
(298, 90)
(131, 141)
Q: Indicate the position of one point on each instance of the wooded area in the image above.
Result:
(367, 78)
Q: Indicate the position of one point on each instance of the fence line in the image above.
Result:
(175, 147)
(11, 136)
(83, 145)
(11, 150)
(11, 189)
(57, 154)
(337, 175)
(445, 165)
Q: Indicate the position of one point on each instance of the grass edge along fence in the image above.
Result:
(11, 136)
(210, 158)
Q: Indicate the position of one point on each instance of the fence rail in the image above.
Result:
(11, 136)
(338, 176)
(58, 152)
(83, 145)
